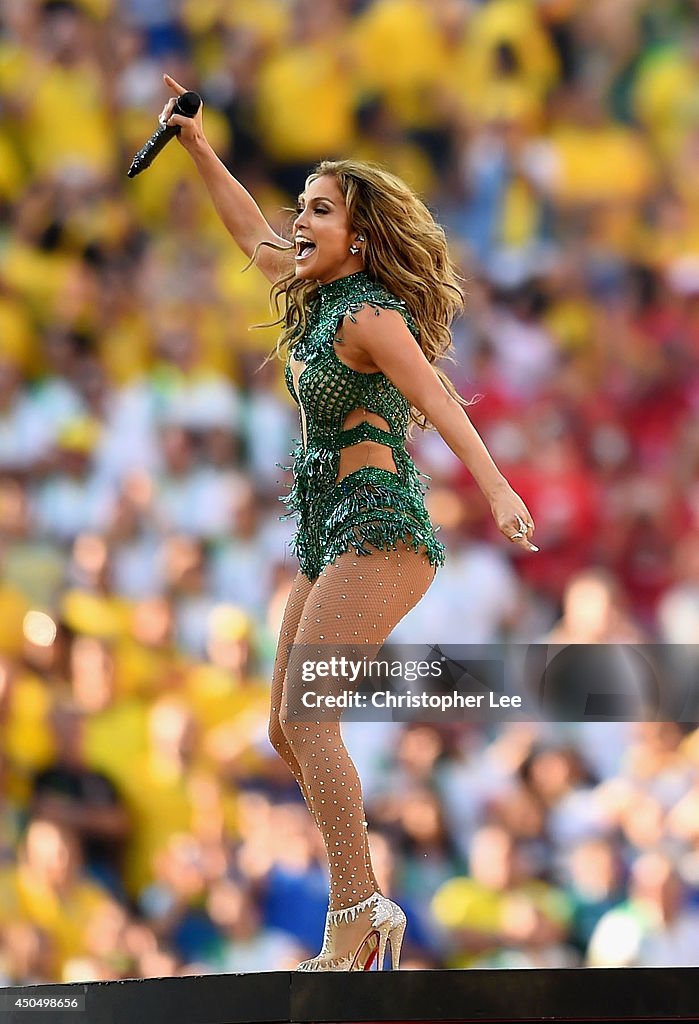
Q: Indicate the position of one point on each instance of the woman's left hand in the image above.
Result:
(513, 517)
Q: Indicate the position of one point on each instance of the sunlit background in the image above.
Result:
(146, 825)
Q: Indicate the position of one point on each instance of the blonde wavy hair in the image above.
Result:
(405, 250)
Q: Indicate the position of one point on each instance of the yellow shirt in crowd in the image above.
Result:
(665, 98)
(64, 916)
(423, 68)
(85, 140)
(585, 155)
(466, 903)
(161, 801)
(306, 83)
(27, 738)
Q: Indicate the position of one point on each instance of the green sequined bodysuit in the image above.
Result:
(370, 507)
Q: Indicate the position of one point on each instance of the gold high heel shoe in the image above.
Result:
(387, 924)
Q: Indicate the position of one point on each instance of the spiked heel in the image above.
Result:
(395, 939)
(393, 936)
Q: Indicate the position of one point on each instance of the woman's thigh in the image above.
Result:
(357, 601)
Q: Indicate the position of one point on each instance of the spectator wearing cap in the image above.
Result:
(227, 697)
(72, 499)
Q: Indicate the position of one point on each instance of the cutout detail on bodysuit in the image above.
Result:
(368, 452)
(355, 454)
(354, 483)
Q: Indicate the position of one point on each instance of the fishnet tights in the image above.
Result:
(355, 601)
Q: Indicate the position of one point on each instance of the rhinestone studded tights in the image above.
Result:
(355, 601)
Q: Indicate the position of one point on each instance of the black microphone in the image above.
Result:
(187, 104)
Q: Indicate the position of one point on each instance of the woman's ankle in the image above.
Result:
(342, 907)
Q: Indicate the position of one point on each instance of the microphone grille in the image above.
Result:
(189, 103)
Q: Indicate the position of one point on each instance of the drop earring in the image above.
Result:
(354, 249)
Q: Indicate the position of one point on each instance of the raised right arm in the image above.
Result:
(237, 209)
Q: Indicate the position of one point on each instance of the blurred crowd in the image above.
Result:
(146, 825)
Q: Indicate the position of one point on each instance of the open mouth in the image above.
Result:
(304, 249)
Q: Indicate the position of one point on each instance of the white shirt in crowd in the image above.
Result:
(467, 602)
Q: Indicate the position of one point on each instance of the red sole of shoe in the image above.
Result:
(372, 957)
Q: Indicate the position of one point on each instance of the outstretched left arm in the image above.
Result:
(386, 340)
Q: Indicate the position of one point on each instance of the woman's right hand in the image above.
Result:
(191, 128)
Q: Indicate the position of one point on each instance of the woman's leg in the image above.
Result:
(293, 611)
(300, 589)
(355, 601)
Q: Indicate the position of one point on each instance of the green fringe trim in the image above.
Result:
(377, 516)
(370, 509)
(382, 534)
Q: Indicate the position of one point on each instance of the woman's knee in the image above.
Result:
(287, 724)
(298, 734)
(276, 733)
